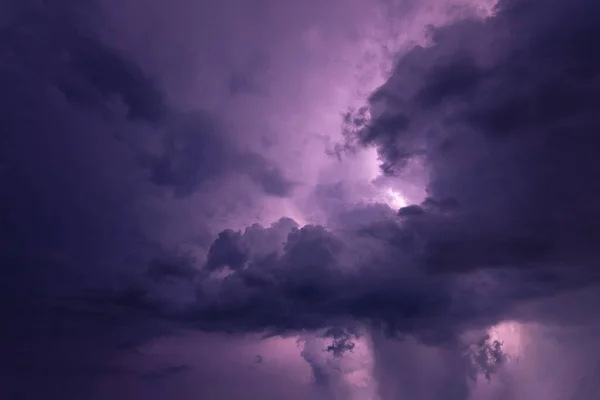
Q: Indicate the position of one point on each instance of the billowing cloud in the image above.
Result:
(505, 127)
(134, 157)
(504, 123)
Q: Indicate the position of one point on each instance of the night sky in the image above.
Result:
(300, 200)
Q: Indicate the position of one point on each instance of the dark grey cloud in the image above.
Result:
(505, 123)
(501, 210)
(81, 271)
(196, 151)
(342, 341)
(232, 249)
(501, 111)
(172, 266)
(313, 279)
(54, 49)
(511, 207)
(54, 43)
(165, 372)
(94, 73)
(226, 251)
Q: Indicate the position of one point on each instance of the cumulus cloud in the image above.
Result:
(499, 119)
(503, 123)
(500, 111)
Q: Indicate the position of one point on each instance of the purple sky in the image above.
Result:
(336, 200)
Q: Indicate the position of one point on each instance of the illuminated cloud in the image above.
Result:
(188, 213)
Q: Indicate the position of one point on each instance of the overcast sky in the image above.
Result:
(336, 200)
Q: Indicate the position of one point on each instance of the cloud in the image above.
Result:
(172, 266)
(197, 151)
(500, 111)
(80, 263)
(67, 59)
(505, 125)
(490, 205)
(53, 44)
(341, 343)
(511, 207)
(165, 372)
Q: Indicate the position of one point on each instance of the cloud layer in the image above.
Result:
(107, 168)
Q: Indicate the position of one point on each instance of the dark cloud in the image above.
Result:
(496, 205)
(94, 72)
(165, 372)
(411, 211)
(266, 175)
(501, 111)
(53, 51)
(487, 356)
(226, 251)
(81, 270)
(197, 151)
(232, 249)
(341, 342)
(506, 123)
(512, 207)
(314, 279)
(53, 43)
(194, 151)
(172, 266)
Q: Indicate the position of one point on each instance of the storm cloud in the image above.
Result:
(512, 199)
(126, 249)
